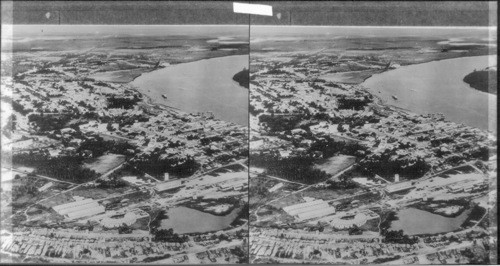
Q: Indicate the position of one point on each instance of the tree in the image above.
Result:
(156, 164)
(340, 128)
(399, 237)
(296, 168)
(124, 229)
(168, 235)
(355, 230)
(62, 167)
(109, 127)
(111, 183)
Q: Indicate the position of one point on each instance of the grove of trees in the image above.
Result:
(68, 168)
(296, 168)
(49, 122)
(156, 164)
(98, 146)
(388, 164)
(168, 235)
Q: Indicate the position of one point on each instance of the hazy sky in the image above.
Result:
(423, 13)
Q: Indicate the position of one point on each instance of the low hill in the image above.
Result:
(242, 78)
(483, 80)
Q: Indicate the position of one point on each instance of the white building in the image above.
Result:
(45, 187)
(235, 184)
(309, 210)
(398, 187)
(79, 209)
(315, 213)
(256, 144)
(276, 187)
(87, 212)
(58, 208)
(174, 184)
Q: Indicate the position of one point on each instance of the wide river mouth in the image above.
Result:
(438, 87)
(201, 86)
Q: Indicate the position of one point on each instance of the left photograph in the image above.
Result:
(124, 143)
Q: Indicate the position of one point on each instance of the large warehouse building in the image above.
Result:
(310, 210)
(169, 185)
(234, 184)
(79, 208)
(398, 187)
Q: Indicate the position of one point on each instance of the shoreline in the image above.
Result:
(383, 103)
(423, 62)
(480, 80)
(379, 100)
(149, 99)
(460, 228)
(185, 62)
(441, 59)
(237, 210)
(194, 206)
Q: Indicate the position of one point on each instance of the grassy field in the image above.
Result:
(57, 200)
(371, 225)
(259, 190)
(259, 193)
(208, 205)
(25, 190)
(105, 163)
(335, 164)
(85, 192)
(287, 201)
(269, 216)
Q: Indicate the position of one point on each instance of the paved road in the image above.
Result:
(342, 172)
(284, 180)
(112, 170)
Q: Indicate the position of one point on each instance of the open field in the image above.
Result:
(354, 77)
(335, 164)
(119, 76)
(105, 162)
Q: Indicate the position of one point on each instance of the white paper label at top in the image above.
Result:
(253, 9)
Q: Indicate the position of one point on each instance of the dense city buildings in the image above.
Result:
(95, 168)
(226, 144)
(348, 162)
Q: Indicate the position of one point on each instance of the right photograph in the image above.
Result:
(373, 144)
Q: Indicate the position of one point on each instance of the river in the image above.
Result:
(185, 220)
(414, 222)
(438, 87)
(200, 86)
